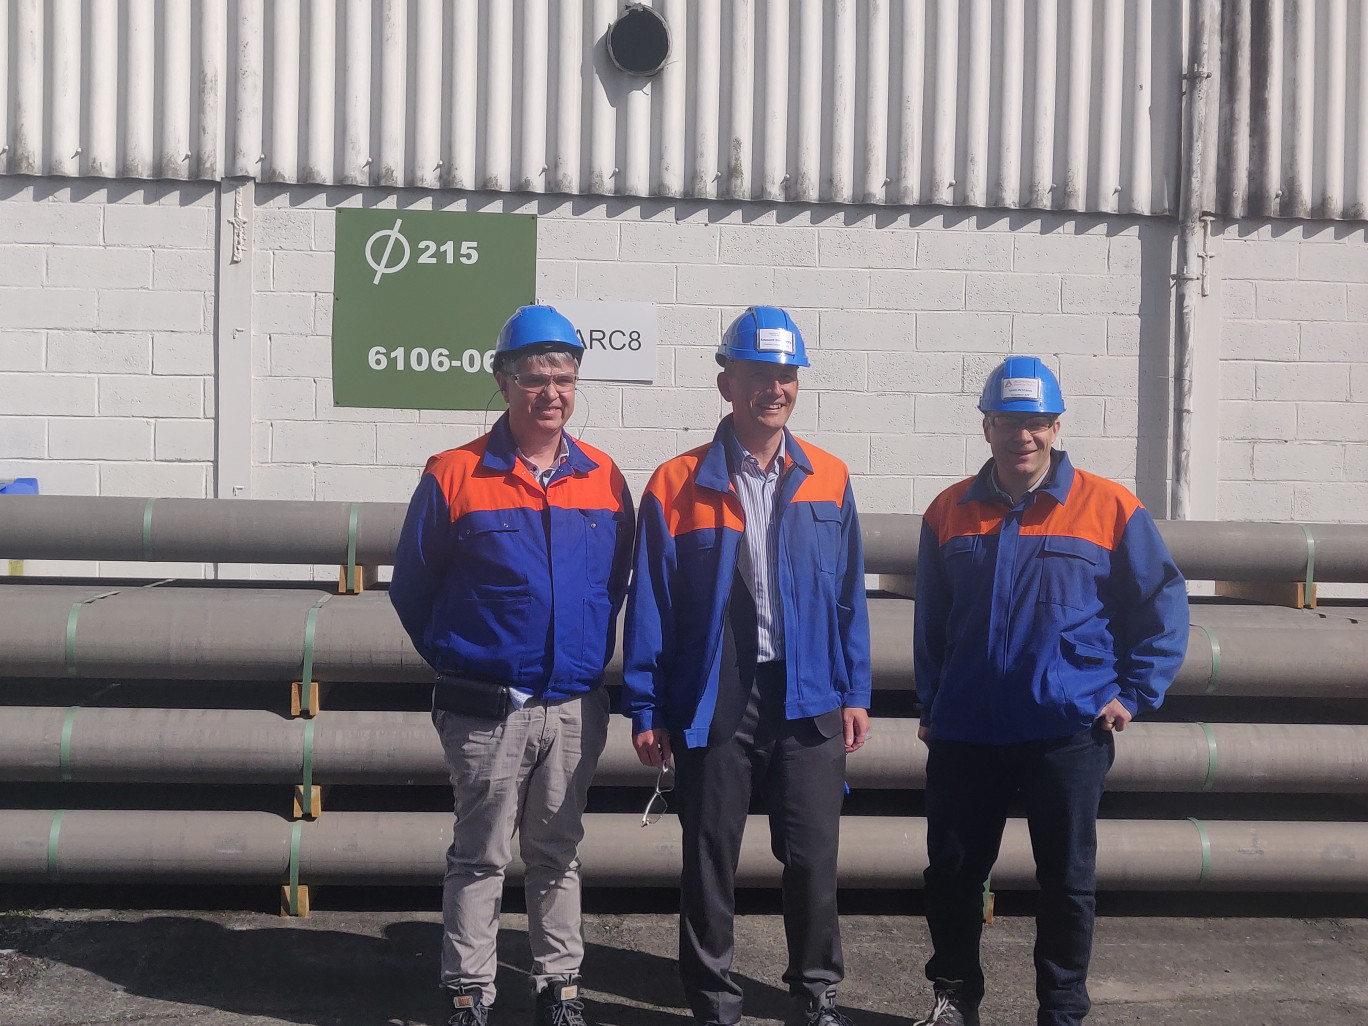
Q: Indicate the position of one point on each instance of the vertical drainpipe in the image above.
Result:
(1198, 101)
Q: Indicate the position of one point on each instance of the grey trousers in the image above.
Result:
(527, 774)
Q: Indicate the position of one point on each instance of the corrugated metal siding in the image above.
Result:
(1046, 104)
(1294, 109)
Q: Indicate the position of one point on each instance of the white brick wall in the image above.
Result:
(1293, 343)
(106, 346)
(107, 350)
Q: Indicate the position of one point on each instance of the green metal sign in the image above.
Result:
(418, 300)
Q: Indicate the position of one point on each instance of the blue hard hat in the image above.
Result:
(536, 329)
(765, 334)
(1021, 384)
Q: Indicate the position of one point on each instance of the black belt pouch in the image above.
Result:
(469, 696)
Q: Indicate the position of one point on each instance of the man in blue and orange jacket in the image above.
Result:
(509, 575)
(746, 661)
(1048, 613)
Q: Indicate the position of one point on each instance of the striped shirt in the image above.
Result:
(521, 696)
(758, 559)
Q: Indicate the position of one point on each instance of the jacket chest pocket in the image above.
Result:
(598, 530)
(492, 554)
(1068, 573)
(826, 538)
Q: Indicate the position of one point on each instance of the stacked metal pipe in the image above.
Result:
(208, 637)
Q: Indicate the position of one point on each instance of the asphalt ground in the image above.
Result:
(354, 967)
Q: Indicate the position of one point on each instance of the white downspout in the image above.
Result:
(1190, 277)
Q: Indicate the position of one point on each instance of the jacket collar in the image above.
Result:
(501, 452)
(712, 470)
(1057, 484)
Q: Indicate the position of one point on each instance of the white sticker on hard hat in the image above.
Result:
(774, 340)
(1021, 388)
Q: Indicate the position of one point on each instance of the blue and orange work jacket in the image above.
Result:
(1030, 619)
(691, 529)
(498, 579)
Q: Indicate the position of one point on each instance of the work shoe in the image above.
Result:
(559, 1004)
(820, 1011)
(470, 1009)
(951, 1008)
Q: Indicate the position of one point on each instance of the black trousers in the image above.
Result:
(797, 768)
(969, 788)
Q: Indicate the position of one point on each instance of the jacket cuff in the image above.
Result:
(645, 719)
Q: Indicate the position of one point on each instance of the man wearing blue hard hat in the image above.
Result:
(1048, 613)
(509, 575)
(746, 666)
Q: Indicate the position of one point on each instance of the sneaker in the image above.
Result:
(952, 1008)
(470, 1009)
(559, 1004)
(822, 1011)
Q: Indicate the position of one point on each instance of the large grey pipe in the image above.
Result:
(199, 530)
(262, 634)
(376, 848)
(251, 746)
(273, 531)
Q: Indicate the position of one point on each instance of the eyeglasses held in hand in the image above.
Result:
(657, 806)
(538, 382)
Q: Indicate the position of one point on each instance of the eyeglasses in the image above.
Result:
(1036, 425)
(657, 806)
(538, 382)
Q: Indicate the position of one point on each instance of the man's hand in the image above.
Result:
(652, 747)
(1114, 716)
(924, 734)
(856, 723)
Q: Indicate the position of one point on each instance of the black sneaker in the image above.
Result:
(470, 1009)
(559, 1004)
(952, 1008)
(821, 1011)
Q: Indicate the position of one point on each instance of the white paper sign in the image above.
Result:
(619, 338)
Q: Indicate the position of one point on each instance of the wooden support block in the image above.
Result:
(303, 910)
(365, 577)
(1270, 593)
(305, 698)
(904, 585)
(988, 907)
(315, 802)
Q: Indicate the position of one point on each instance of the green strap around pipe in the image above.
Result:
(53, 833)
(1205, 876)
(71, 628)
(1215, 678)
(292, 904)
(1210, 780)
(306, 799)
(64, 751)
(147, 530)
(352, 516)
(306, 672)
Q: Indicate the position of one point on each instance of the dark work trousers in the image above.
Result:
(798, 768)
(968, 790)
